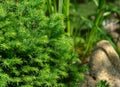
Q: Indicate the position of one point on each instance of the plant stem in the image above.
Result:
(49, 6)
(60, 6)
(93, 33)
(55, 6)
(66, 4)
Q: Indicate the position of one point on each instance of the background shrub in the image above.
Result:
(34, 50)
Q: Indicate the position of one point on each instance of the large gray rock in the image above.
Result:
(104, 64)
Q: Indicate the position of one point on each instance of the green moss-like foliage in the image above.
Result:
(34, 51)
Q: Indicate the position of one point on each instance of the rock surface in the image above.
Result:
(104, 64)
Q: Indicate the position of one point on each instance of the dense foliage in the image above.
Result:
(34, 50)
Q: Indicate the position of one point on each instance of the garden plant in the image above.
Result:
(34, 49)
(44, 43)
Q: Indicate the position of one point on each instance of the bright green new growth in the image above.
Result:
(34, 51)
(103, 83)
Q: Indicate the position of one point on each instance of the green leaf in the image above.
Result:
(96, 2)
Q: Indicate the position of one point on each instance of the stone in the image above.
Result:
(104, 64)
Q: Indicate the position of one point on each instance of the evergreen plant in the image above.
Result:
(34, 50)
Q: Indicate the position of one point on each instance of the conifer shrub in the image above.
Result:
(34, 50)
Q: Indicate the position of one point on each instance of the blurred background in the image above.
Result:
(94, 20)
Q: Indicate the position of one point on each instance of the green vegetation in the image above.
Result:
(86, 23)
(103, 84)
(34, 49)
(43, 43)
